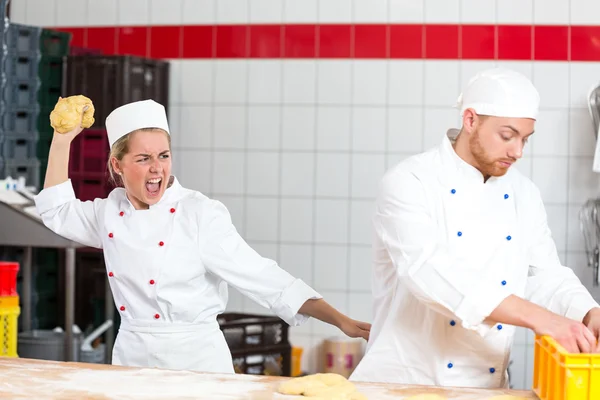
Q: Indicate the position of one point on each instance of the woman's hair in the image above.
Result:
(121, 147)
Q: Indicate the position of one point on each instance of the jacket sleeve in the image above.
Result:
(69, 217)
(405, 226)
(550, 284)
(227, 255)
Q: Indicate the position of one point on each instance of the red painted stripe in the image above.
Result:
(361, 41)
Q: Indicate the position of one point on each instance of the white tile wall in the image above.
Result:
(102, 13)
(294, 148)
(334, 144)
(133, 12)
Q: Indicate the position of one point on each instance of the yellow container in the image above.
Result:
(559, 375)
(8, 326)
(296, 361)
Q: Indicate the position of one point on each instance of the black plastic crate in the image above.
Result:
(112, 81)
(271, 361)
(29, 169)
(18, 146)
(84, 51)
(21, 66)
(21, 94)
(23, 38)
(20, 119)
(250, 331)
(54, 43)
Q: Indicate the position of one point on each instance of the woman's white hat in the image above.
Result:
(133, 116)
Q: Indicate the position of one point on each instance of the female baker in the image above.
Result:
(170, 252)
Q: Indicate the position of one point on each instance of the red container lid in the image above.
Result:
(9, 266)
(8, 278)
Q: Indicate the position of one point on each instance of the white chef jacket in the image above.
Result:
(448, 249)
(169, 268)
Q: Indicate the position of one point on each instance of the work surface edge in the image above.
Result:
(29, 378)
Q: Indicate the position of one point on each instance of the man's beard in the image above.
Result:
(486, 165)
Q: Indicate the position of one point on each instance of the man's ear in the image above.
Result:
(469, 120)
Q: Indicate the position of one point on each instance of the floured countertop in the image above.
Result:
(22, 378)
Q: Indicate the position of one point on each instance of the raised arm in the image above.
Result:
(60, 210)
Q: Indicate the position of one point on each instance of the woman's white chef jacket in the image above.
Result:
(168, 268)
(448, 248)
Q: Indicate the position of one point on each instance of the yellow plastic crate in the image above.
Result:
(559, 375)
(9, 314)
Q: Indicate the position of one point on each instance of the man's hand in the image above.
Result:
(592, 321)
(574, 336)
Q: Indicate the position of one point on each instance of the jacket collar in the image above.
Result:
(452, 161)
(171, 195)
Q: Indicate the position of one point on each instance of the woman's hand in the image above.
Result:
(320, 310)
(355, 329)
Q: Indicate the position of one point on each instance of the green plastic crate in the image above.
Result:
(43, 124)
(43, 147)
(50, 72)
(43, 168)
(54, 43)
(47, 97)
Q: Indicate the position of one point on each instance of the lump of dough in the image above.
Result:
(341, 390)
(507, 397)
(426, 396)
(322, 386)
(67, 113)
(297, 386)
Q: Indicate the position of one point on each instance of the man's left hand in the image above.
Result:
(592, 321)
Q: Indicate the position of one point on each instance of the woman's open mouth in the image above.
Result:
(153, 186)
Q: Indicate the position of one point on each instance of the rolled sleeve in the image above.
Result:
(229, 257)
(292, 299)
(65, 215)
(433, 274)
(550, 284)
(53, 197)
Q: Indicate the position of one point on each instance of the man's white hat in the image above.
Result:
(133, 116)
(500, 92)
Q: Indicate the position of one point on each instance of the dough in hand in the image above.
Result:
(426, 396)
(67, 113)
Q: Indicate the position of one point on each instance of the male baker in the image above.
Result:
(463, 252)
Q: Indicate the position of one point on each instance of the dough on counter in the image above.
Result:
(68, 111)
(427, 396)
(322, 386)
(507, 397)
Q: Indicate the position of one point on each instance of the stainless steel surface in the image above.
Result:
(69, 301)
(594, 105)
(42, 344)
(28, 231)
(590, 227)
(26, 298)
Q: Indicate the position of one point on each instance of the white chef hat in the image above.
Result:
(500, 92)
(133, 116)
